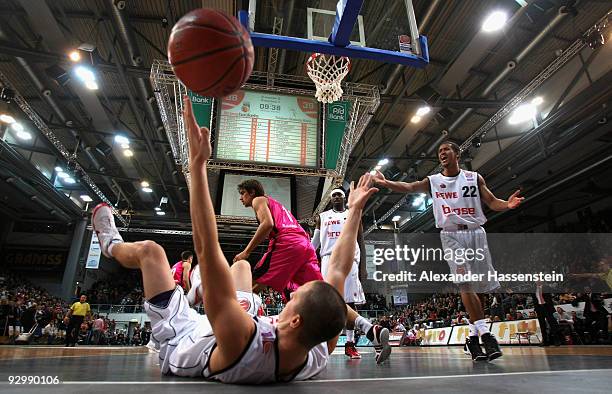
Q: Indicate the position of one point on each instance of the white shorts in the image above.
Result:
(474, 239)
(353, 292)
(185, 339)
(194, 296)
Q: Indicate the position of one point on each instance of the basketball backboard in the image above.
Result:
(385, 31)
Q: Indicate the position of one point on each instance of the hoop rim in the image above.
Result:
(315, 55)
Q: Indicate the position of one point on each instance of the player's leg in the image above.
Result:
(241, 274)
(147, 256)
(378, 335)
(350, 349)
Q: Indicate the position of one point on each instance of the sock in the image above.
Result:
(364, 325)
(473, 330)
(350, 335)
(113, 242)
(482, 327)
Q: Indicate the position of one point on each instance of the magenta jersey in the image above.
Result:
(284, 222)
(177, 273)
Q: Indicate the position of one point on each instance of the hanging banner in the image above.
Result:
(337, 118)
(202, 108)
(93, 257)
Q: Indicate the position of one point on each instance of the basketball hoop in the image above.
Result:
(327, 73)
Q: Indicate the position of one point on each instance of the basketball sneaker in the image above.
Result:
(103, 223)
(380, 340)
(491, 346)
(351, 351)
(472, 345)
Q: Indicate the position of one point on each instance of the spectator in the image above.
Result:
(98, 329)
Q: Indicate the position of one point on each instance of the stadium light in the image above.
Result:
(495, 21)
(523, 113)
(128, 153)
(396, 218)
(423, 111)
(415, 119)
(75, 56)
(121, 139)
(86, 198)
(7, 119)
(160, 213)
(383, 162)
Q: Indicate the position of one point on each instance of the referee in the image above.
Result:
(77, 314)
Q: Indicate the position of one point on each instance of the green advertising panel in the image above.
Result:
(202, 108)
(337, 118)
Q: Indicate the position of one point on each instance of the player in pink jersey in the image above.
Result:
(290, 256)
(181, 270)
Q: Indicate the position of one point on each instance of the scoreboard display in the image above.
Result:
(270, 128)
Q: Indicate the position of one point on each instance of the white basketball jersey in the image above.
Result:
(331, 224)
(456, 200)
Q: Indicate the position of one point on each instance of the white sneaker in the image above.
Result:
(381, 343)
(103, 223)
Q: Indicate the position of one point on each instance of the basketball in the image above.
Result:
(210, 52)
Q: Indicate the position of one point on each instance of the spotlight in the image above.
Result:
(128, 153)
(415, 119)
(396, 218)
(24, 135)
(69, 180)
(121, 139)
(537, 101)
(417, 202)
(377, 168)
(84, 73)
(91, 85)
(157, 208)
(147, 190)
(523, 113)
(75, 56)
(494, 22)
(144, 184)
(7, 119)
(423, 110)
(160, 213)
(125, 146)
(383, 162)
(86, 198)
(373, 172)
(63, 175)
(59, 169)
(17, 127)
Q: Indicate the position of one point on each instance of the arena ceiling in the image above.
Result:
(467, 82)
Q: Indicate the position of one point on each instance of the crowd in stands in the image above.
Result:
(590, 325)
(124, 289)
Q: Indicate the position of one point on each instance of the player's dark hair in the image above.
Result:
(323, 313)
(453, 146)
(186, 255)
(252, 186)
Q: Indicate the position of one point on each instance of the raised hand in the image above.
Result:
(359, 195)
(198, 137)
(514, 201)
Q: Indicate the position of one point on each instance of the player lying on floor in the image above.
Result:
(230, 344)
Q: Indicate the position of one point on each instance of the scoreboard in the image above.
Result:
(270, 128)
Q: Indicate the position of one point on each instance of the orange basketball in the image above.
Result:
(210, 52)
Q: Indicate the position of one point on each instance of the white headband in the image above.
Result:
(337, 191)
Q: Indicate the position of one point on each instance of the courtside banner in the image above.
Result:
(507, 332)
(437, 336)
(459, 335)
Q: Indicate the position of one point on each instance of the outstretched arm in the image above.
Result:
(232, 327)
(343, 254)
(266, 224)
(341, 260)
(402, 187)
(495, 203)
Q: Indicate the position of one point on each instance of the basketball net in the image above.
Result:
(327, 73)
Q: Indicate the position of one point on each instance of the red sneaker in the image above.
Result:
(351, 351)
